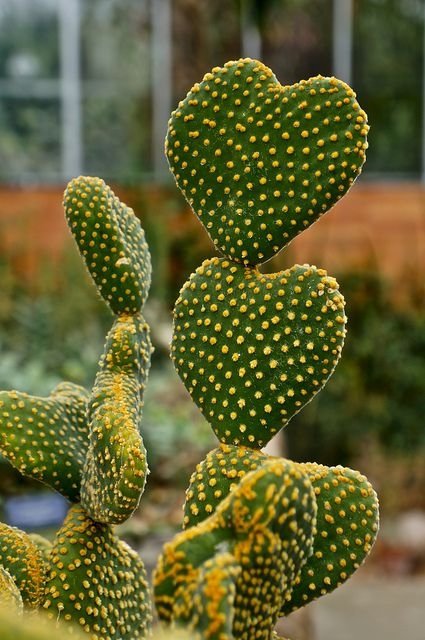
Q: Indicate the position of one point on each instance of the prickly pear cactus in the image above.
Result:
(88, 446)
(256, 542)
(116, 467)
(46, 438)
(23, 561)
(253, 349)
(111, 242)
(108, 596)
(259, 162)
(263, 536)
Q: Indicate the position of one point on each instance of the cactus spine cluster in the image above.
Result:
(262, 536)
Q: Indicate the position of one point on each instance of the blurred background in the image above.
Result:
(87, 86)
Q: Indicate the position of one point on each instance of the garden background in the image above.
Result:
(87, 86)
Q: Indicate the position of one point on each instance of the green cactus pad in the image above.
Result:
(10, 596)
(46, 438)
(215, 477)
(347, 515)
(111, 242)
(347, 526)
(259, 162)
(24, 562)
(253, 349)
(266, 524)
(213, 599)
(116, 467)
(97, 581)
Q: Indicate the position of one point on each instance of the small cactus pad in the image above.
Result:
(111, 242)
(46, 438)
(215, 477)
(97, 581)
(259, 162)
(116, 467)
(10, 596)
(24, 562)
(347, 515)
(347, 526)
(266, 525)
(253, 349)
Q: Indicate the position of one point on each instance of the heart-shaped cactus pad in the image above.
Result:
(253, 349)
(258, 161)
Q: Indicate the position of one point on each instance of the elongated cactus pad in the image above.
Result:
(46, 438)
(259, 162)
(111, 242)
(266, 525)
(24, 562)
(116, 467)
(253, 349)
(97, 581)
(10, 596)
(347, 515)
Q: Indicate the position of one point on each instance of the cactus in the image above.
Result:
(253, 349)
(111, 242)
(259, 162)
(46, 438)
(346, 523)
(116, 467)
(88, 446)
(97, 580)
(263, 536)
(23, 560)
(231, 572)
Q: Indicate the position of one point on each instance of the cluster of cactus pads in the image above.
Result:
(262, 536)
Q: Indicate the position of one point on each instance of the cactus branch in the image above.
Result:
(253, 349)
(259, 162)
(46, 438)
(97, 581)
